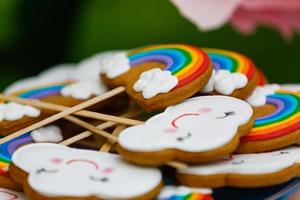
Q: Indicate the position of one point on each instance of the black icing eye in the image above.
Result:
(181, 139)
(282, 153)
(96, 179)
(238, 162)
(48, 171)
(226, 114)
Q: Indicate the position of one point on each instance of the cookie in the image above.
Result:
(234, 74)
(184, 193)
(50, 133)
(51, 171)
(6, 194)
(201, 129)
(262, 79)
(245, 170)
(276, 123)
(158, 76)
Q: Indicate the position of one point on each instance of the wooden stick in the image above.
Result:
(83, 113)
(92, 128)
(177, 165)
(85, 134)
(63, 114)
(110, 143)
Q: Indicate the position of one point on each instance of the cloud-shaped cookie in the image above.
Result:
(198, 130)
(245, 170)
(57, 171)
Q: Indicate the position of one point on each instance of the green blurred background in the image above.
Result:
(37, 34)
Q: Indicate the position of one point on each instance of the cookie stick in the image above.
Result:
(63, 114)
(110, 143)
(83, 113)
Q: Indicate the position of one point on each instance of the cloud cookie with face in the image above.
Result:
(245, 170)
(51, 171)
(200, 129)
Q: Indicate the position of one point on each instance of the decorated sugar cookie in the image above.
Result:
(200, 129)
(49, 133)
(277, 123)
(234, 74)
(184, 193)
(157, 76)
(245, 170)
(6, 194)
(51, 171)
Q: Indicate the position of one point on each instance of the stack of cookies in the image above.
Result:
(208, 113)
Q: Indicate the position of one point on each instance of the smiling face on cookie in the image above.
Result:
(198, 124)
(55, 170)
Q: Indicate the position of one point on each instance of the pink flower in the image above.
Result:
(244, 15)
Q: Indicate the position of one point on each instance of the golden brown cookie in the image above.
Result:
(198, 130)
(55, 172)
(158, 76)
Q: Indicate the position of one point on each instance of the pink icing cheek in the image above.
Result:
(107, 170)
(56, 160)
(170, 130)
(205, 110)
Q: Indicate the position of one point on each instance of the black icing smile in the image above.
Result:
(226, 114)
(43, 170)
(96, 179)
(181, 139)
(238, 162)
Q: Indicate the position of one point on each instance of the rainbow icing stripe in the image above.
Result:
(42, 91)
(190, 196)
(232, 61)
(285, 120)
(184, 62)
(8, 148)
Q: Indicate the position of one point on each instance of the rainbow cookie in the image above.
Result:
(157, 76)
(198, 130)
(234, 74)
(277, 124)
(184, 193)
(52, 172)
(245, 170)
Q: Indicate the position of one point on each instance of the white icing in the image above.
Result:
(114, 64)
(155, 81)
(172, 191)
(207, 130)
(225, 82)
(14, 111)
(6, 194)
(259, 163)
(84, 89)
(73, 171)
(259, 95)
(291, 87)
(49, 133)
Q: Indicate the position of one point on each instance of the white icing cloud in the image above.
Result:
(155, 81)
(196, 125)
(172, 191)
(14, 111)
(115, 64)
(259, 95)
(225, 82)
(291, 87)
(258, 163)
(84, 89)
(49, 133)
(83, 173)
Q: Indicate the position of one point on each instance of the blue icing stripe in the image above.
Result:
(223, 61)
(290, 105)
(177, 56)
(36, 91)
